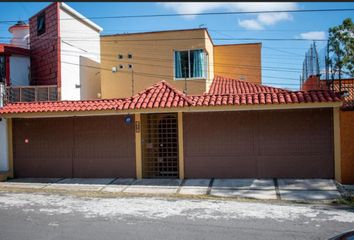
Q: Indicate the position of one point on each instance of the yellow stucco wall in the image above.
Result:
(347, 147)
(237, 60)
(210, 49)
(152, 61)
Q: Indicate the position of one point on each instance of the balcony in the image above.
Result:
(31, 93)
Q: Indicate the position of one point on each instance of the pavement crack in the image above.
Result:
(210, 186)
(276, 185)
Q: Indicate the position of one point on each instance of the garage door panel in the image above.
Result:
(43, 147)
(279, 143)
(226, 132)
(104, 147)
(296, 166)
(74, 147)
(295, 132)
(220, 167)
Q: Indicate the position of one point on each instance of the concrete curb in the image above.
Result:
(346, 194)
(95, 193)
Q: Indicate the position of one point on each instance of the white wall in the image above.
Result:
(19, 70)
(4, 163)
(79, 40)
(2, 94)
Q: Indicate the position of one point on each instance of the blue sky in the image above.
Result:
(281, 60)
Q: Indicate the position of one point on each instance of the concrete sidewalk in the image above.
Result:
(281, 189)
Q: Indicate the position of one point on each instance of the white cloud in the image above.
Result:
(191, 7)
(318, 35)
(250, 24)
(261, 20)
(273, 18)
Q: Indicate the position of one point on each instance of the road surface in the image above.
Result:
(27, 216)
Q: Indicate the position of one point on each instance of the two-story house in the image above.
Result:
(187, 59)
(173, 105)
(51, 60)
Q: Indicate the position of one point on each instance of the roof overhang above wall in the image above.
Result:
(9, 49)
(80, 17)
(227, 108)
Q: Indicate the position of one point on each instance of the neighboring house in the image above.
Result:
(168, 112)
(63, 59)
(15, 59)
(65, 52)
(54, 57)
(187, 59)
(346, 88)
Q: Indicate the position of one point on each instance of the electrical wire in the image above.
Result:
(205, 14)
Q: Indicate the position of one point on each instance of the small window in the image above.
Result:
(121, 66)
(120, 56)
(130, 55)
(41, 24)
(130, 66)
(190, 64)
(2, 69)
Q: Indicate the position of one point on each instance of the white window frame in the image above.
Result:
(206, 61)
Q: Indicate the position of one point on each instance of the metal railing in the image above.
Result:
(31, 93)
(347, 90)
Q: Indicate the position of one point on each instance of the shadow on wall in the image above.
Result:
(90, 79)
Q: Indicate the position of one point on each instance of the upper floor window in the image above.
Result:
(2, 69)
(190, 64)
(41, 24)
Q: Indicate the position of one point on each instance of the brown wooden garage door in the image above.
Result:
(74, 147)
(262, 144)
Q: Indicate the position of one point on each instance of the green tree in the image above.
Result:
(341, 47)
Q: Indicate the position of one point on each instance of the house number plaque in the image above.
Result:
(137, 126)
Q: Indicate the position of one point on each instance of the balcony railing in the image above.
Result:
(31, 93)
(347, 89)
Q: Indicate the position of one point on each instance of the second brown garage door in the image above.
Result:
(259, 144)
(74, 147)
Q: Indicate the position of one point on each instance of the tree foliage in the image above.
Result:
(341, 47)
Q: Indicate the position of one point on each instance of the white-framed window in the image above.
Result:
(191, 64)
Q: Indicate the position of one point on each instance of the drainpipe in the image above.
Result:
(2, 94)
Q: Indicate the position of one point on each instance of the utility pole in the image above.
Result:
(310, 60)
(185, 80)
(132, 81)
(340, 76)
(300, 85)
(2, 94)
(327, 61)
(306, 65)
(317, 66)
(316, 58)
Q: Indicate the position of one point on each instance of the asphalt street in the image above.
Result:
(27, 216)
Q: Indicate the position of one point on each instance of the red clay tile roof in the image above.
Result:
(265, 98)
(160, 95)
(61, 106)
(163, 95)
(223, 85)
(13, 49)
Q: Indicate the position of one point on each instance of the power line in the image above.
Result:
(206, 14)
(112, 58)
(218, 13)
(182, 39)
(161, 75)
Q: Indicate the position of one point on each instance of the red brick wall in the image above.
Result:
(313, 83)
(45, 52)
(347, 148)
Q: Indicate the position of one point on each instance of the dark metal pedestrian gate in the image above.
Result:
(159, 134)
